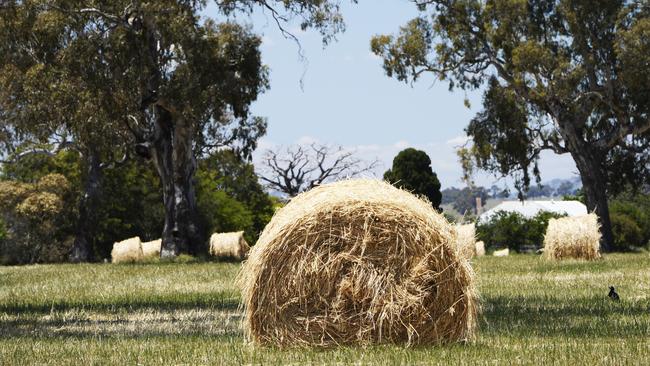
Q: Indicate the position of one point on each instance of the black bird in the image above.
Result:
(612, 294)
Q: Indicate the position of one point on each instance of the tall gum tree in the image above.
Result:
(173, 85)
(569, 76)
(179, 85)
(54, 98)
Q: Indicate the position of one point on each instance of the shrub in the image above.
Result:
(221, 213)
(514, 231)
(626, 232)
(3, 231)
(636, 209)
(230, 197)
(35, 219)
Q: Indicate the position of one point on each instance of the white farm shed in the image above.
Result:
(529, 209)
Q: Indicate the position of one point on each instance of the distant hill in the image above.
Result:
(463, 200)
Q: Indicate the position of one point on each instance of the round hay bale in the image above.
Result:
(358, 262)
(501, 253)
(127, 251)
(229, 246)
(466, 240)
(480, 248)
(575, 237)
(151, 249)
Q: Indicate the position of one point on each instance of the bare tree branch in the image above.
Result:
(301, 168)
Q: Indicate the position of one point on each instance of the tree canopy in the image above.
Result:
(568, 76)
(103, 77)
(412, 171)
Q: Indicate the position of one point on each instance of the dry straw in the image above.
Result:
(358, 262)
(573, 237)
(127, 251)
(480, 248)
(229, 246)
(501, 253)
(466, 240)
(151, 249)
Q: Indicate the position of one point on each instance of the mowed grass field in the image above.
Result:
(534, 312)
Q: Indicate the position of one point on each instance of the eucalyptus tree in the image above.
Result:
(151, 73)
(569, 76)
(155, 75)
(56, 96)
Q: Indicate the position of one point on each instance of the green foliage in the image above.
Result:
(130, 205)
(542, 62)
(37, 220)
(561, 76)
(412, 171)
(629, 213)
(229, 196)
(31, 168)
(322, 15)
(514, 231)
(130, 201)
(464, 200)
(626, 232)
(578, 196)
(219, 211)
(3, 231)
(451, 218)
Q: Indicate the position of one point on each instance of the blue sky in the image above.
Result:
(347, 100)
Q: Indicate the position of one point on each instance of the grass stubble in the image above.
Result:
(534, 312)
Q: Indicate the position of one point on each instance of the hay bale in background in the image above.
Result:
(466, 240)
(479, 248)
(358, 262)
(229, 246)
(573, 237)
(129, 250)
(151, 249)
(501, 253)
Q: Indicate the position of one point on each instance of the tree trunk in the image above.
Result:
(81, 249)
(175, 163)
(594, 183)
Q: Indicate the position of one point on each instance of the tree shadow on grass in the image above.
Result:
(503, 316)
(126, 304)
(527, 316)
(149, 323)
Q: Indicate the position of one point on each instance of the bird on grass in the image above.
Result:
(612, 294)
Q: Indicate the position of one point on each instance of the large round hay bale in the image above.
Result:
(358, 262)
(229, 246)
(127, 251)
(575, 237)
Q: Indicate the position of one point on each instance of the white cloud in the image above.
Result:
(307, 140)
(402, 144)
(373, 56)
(265, 144)
(458, 140)
(267, 41)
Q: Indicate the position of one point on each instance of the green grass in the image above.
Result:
(534, 312)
